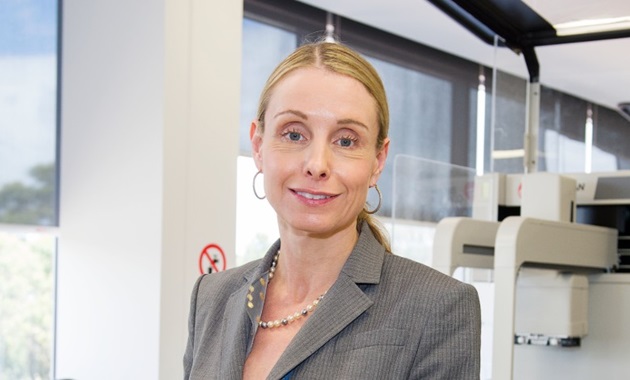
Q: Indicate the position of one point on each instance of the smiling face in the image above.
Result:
(318, 150)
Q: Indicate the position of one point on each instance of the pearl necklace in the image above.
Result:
(291, 317)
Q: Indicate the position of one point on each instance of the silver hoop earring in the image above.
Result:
(254, 186)
(380, 201)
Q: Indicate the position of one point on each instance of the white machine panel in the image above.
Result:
(604, 353)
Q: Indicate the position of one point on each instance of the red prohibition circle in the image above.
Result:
(205, 253)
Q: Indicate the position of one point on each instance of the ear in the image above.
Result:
(381, 157)
(255, 136)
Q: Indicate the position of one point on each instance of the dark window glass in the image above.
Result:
(258, 60)
(612, 135)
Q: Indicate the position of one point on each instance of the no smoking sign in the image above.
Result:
(212, 259)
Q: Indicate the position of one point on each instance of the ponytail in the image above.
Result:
(376, 227)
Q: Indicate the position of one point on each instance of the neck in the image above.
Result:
(310, 265)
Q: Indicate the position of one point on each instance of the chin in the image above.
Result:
(320, 226)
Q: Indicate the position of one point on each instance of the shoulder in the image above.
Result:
(444, 313)
(400, 272)
(439, 303)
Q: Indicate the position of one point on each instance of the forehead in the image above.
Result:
(315, 88)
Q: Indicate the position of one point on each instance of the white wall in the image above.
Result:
(148, 157)
(202, 81)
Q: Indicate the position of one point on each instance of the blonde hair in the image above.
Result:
(342, 60)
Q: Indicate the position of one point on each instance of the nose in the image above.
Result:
(317, 161)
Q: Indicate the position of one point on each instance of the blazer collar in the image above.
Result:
(365, 263)
(344, 302)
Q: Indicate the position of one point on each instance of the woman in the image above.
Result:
(328, 300)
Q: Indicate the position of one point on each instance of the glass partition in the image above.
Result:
(425, 192)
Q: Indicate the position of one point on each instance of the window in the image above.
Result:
(509, 126)
(257, 63)
(28, 112)
(564, 142)
(28, 186)
(26, 305)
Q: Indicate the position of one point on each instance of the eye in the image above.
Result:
(346, 142)
(293, 135)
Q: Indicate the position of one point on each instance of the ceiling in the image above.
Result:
(597, 71)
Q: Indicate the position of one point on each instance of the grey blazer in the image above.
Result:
(386, 317)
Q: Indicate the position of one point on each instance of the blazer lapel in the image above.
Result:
(237, 327)
(344, 302)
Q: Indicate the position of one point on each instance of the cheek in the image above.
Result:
(357, 180)
(277, 169)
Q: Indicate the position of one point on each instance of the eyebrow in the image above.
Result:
(293, 112)
(352, 121)
(305, 117)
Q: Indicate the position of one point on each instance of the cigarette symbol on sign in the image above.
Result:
(212, 259)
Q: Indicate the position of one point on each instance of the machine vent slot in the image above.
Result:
(478, 250)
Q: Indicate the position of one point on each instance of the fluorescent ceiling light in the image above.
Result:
(571, 17)
(505, 154)
(592, 26)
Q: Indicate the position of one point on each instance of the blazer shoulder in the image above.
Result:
(429, 292)
(418, 275)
